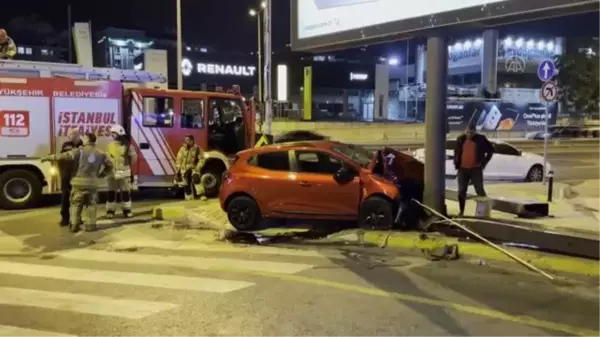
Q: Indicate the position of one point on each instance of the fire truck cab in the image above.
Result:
(221, 124)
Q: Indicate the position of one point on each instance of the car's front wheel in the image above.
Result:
(376, 213)
(535, 174)
(243, 213)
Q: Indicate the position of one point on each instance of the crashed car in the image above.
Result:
(321, 180)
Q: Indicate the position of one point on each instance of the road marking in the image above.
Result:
(201, 263)
(82, 303)
(7, 330)
(217, 248)
(138, 279)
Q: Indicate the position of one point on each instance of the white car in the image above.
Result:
(507, 164)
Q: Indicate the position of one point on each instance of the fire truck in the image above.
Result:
(41, 102)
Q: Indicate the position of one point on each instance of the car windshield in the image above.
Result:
(357, 154)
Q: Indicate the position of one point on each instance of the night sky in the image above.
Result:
(223, 24)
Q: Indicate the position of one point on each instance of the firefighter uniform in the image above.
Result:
(190, 160)
(123, 156)
(8, 49)
(91, 166)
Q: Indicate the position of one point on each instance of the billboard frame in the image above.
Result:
(495, 14)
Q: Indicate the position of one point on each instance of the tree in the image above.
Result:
(579, 81)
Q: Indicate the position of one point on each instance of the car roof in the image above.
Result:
(315, 144)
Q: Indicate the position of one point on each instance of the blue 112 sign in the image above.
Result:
(546, 70)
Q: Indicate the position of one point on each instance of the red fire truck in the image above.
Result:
(38, 108)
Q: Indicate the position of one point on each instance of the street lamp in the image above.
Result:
(256, 13)
(179, 48)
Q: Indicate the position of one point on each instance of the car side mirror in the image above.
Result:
(344, 175)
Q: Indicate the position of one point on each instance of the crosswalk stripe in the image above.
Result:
(200, 263)
(8, 330)
(140, 279)
(197, 246)
(82, 303)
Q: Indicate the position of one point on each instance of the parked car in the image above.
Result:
(314, 180)
(507, 164)
(565, 132)
(299, 135)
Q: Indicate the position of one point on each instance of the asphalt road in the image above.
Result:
(139, 280)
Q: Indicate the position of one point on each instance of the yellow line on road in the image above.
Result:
(480, 311)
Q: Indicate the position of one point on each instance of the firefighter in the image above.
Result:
(91, 165)
(8, 49)
(123, 156)
(190, 160)
(65, 168)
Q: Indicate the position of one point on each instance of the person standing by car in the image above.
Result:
(190, 160)
(65, 168)
(472, 153)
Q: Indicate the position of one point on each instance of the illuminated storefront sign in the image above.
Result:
(359, 76)
(528, 50)
(187, 68)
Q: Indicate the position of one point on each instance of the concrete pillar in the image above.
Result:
(435, 123)
(420, 64)
(382, 92)
(345, 102)
(489, 61)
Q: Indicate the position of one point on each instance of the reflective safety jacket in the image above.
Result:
(8, 49)
(91, 165)
(122, 157)
(190, 158)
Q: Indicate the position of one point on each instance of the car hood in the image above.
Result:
(395, 165)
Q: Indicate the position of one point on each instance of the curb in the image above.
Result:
(412, 241)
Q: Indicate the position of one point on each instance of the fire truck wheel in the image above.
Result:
(19, 189)
(211, 180)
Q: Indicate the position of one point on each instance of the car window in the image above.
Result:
(505, 149)
(274, 161)
(357, 154)
(225, 110)
(157, 112)
(317, 162)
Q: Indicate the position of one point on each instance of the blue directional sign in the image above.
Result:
(546, 70)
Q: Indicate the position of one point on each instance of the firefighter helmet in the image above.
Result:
(118, 129)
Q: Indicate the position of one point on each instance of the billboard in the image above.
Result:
(499, 116)
(329, 24)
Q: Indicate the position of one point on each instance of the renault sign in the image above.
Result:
(335, 24)
(187, 68)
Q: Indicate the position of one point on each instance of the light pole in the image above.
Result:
(179, 48)
(256, 13)
(267, 75)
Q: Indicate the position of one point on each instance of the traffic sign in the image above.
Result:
(546, 70)
(549, 92)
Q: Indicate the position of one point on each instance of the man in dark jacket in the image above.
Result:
(471, 155)
(66, 168)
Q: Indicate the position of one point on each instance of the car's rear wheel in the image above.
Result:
(535, 174)
(243, 213)
(376, 213)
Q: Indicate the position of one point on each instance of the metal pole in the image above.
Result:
(546, 144)
(406, 87)
(260, 71)
(435, 128)
(70, 21)
(267, 74)
(179, 48)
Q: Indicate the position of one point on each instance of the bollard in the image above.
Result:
(550, 183)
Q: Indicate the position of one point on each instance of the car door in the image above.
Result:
(272, 182)
(316, 193)
(508, 163)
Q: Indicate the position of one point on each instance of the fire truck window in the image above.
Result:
(158, 112)
(227, 110)
(192, 114)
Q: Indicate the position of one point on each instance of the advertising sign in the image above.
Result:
(324, 24)
(499, 116)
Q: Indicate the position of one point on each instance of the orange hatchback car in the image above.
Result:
(314, 180)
